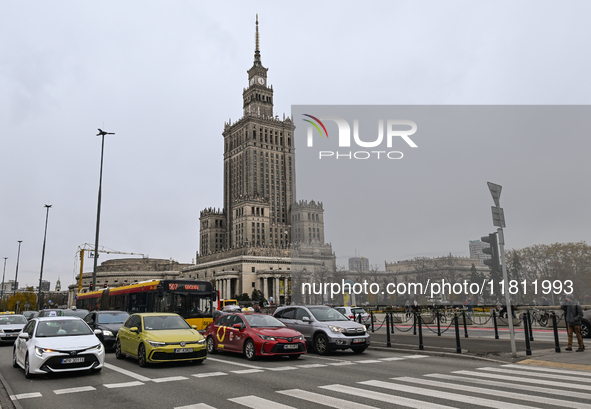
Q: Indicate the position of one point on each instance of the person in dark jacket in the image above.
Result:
(573, 314)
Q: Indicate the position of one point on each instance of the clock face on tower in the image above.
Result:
(261, 81)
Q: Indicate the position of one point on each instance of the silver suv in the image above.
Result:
(325, 328)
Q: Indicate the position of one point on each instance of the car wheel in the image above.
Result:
(141, 356)
(585, 330)
(14, 362)
(28, 374)
(118, 353)
(211, 349)
(321, 344)
(359, 350)
(249, 350)
(294, 356)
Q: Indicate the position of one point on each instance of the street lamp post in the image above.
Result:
(42, 257)
(3, 274)
(16, 275)
(98, 210)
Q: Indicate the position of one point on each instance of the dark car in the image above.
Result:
(109, 323)
(586, 324)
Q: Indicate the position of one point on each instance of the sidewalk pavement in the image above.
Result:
(543, 352)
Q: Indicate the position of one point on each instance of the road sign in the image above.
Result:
(495, 191)
(498, 216)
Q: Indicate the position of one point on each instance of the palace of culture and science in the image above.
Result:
(262, 235)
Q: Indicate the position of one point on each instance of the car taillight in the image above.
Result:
(351, 316)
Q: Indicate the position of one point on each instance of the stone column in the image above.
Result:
(266, 287)
(276, 290)
(229, 288)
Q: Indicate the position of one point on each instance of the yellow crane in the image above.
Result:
(90, 248)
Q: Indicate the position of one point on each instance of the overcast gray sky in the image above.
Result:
(165, 76)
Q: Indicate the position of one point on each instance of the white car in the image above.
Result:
(57, 344)
(353, 313)
(10, 326)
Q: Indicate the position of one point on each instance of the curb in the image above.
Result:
(463, 355)
(11, 403)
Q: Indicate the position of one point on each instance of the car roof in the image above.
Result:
(59, 318)
(111, 312)
(155, 314)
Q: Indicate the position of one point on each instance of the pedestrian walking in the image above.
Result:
(573, 314)
(407, 308)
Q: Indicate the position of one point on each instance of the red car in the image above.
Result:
(254, 335)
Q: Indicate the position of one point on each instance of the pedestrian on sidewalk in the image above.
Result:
(573, 314)
(407, 308)
(470, 307)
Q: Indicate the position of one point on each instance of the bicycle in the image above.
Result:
(538, 316)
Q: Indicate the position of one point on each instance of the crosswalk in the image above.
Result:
(509, 386)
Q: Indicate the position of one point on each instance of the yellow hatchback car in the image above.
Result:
(159, 337)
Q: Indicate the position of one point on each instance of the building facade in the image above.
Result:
(261, 231)
(476, 247)
(359, 264)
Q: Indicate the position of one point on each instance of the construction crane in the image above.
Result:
(90, 248)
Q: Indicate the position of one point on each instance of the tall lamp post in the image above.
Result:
(98, 210)
(3, 274)
(42, 258)
(16, 275)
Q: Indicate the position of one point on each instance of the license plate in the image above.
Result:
(72, 360)
(291, 346)
(183, 350)
(12, 335)
(359, 341)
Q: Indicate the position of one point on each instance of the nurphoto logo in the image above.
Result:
(394, 128)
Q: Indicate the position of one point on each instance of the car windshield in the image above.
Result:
(112, 318)
(165, 322)
(327, 314)
(358, 311)
(15, 319)
(62, 328)
(76, 313)
(263, 321)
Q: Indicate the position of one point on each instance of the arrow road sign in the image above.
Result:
(495, 191)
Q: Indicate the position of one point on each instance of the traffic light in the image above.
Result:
(493, 250)
(105, 286)
(91, 288)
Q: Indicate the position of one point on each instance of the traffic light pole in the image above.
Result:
(507, 295)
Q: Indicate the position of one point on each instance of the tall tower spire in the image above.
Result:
(257, 52)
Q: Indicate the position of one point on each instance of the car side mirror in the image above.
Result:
(194, 326)
(24, 335)
(97, 332)
(237, 326)
(135, 329)
(306, 319)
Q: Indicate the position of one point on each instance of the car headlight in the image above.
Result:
(266, 338)
(364, 328)
(201, 342)
(96, 348)
(334, 328)
(156, 344)
(302, 338)
(107, 333)
(40, 351)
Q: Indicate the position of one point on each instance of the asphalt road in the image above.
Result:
(376, 379)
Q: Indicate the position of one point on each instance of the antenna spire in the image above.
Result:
(257, 53)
